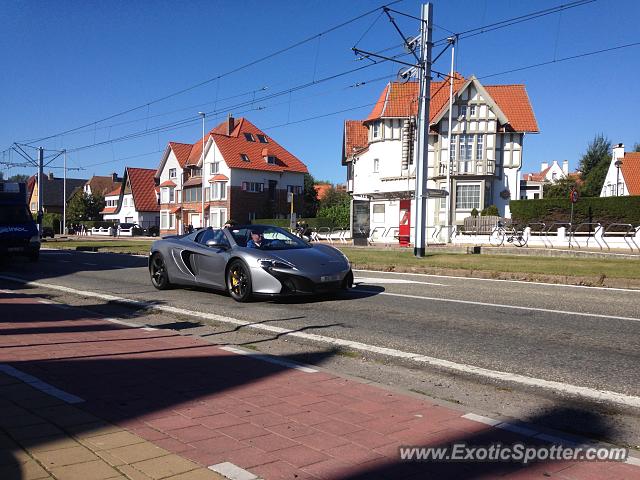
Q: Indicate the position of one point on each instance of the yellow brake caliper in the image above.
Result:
(235, 280)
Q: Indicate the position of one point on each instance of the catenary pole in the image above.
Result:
(448, 208)
(40, 189)
(64, 195)
(422, 159)
(203, 115)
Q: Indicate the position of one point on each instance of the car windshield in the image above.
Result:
(14, 214)
(267, 238)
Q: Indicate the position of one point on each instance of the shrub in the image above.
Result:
(491, 210)
(588, 209)
(474, 212)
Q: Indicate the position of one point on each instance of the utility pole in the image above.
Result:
(64, 195)
(452, 156)
(422, 160)
(203, 115)
(40, 178)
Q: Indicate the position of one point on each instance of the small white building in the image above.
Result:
(531, 184)
(484, 153)
(135, 201)
(623, 176)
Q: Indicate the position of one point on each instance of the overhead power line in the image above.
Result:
(220, 76)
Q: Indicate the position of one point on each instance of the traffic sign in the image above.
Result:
(574, 195)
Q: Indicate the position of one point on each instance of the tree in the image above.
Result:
(84, 207)
(336, 206)
(310, 197)
(594, 165)
(561, 188)
(18, 177)
(636, 147)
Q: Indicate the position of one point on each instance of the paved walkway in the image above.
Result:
(84, 397)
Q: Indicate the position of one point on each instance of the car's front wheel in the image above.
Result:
(158, 272)
(239, 281)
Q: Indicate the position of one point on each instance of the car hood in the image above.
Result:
(310, 258)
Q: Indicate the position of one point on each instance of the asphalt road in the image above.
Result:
(580, 336)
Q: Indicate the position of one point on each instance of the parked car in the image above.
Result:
(236, 260)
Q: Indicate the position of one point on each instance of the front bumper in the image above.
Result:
(275, 281)
(19, 247)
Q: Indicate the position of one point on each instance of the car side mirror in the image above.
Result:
(214, 244)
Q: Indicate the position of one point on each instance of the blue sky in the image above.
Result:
(70, 63)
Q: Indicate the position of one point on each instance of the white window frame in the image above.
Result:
(214, 167)
(479, 146)
(378, 217)
(465, 153)
(375, 130)
(253, 187)
(462, 111)
(217, 217)
(173, 173)
(219, 191)
(172, 195)
(376, 165)
(271, 159)
(164, 220)
(464, 202)
(472, 110)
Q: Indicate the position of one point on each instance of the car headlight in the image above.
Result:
(268, 263)
(34, 239)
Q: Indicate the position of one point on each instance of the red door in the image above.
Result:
(404, 229)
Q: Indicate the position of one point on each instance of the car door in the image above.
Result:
(211, 261)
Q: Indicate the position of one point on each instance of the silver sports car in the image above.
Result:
(247, 260)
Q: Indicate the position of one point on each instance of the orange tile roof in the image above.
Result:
(631, 172)
(356, 136)
(181, 151)
(115, 192)
(167, 183)
(175, 209)
(232, 146)
(401, 100)
(142, 181)
(108, 210)
(101, 184)
(218, 178)
(514, 103)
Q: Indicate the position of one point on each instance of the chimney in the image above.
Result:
(114, 177)
(618, 152)
(544, 166)
(565, 167)
(50, 175)
(230, 124)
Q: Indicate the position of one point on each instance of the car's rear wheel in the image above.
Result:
(239, 281)
(158, 272)
(347, 283)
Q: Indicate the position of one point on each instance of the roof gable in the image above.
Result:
(143, 189)
(356, 137)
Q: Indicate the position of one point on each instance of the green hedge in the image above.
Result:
(588, 209)
(284, 222)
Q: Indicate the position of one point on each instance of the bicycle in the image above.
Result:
(511, 234)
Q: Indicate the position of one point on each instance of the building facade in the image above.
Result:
(623, 176)
(532, 184)
(484, 153)
(246, 173)
(53, 193)
(135, 200)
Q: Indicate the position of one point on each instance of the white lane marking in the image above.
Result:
(39, 384)
(503, 280)
(271, 359)
(373, 280)
(232, 471)
(481, 419)
(566, 388)
(47, 302)
(149, 329)
(499, 305)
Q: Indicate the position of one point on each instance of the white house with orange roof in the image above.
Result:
(247, 175)
(484, 152)
(531, 184)
(135, 200)
(623, 176)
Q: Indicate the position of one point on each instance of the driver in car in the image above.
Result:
(257, 240)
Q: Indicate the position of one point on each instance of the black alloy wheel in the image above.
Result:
(158, 272)
(239, 281)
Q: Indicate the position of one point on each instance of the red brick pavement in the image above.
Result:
(210, 405)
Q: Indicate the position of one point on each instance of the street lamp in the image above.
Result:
(203, 115)
(618, 164)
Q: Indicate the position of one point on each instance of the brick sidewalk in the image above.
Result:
(122, 402)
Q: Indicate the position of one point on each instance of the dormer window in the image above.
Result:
(271, 160)
(244, 157)
(375, 133)
(262, 139)
(249, 137)
(196, 172)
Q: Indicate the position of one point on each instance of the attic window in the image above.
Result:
(262, 139)
(244, 157)
(249, 137)
(271, 160)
